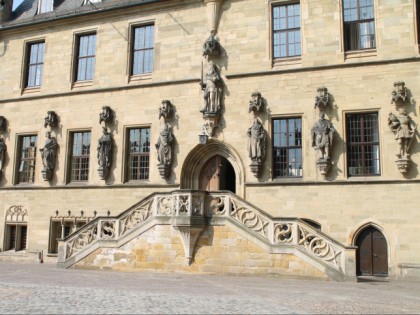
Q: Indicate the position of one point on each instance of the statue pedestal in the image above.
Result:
(163, 170)
(46, 174)
(323, 166)
(403, 164)
(256, 168)
(211, 121)
(103, 172)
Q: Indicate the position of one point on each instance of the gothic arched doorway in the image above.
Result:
(371, 253)
(217, 174)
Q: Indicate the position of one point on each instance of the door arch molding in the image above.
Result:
(200, 154)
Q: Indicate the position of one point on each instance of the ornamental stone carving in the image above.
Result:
(106, 115)
(48, 155)
(166, 110)
(256, 146)
(51, 119)
(104, 153)
(322, 98)
(256, 104)
(399, 95)
(404, 129)
(211, 47)
(322, 134)
(164, 147)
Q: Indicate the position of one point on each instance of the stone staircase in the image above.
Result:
(191, 211)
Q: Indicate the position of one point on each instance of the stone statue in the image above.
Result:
(322, 136)
(211, 84)
(257, 142)
(164, 150)
(48, 154)
(3, 149)
(104, 153)
(404, 128)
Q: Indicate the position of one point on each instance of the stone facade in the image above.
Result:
(358, 82)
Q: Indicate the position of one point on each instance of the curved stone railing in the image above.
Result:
(186, 209)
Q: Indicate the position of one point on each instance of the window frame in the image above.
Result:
(40, 5)
(274, 167)
(18, 160)
(132, 32)
(70, 157)
(287, 30)
(126, 166)
(364, 144)
(77, 58)
(349, 50)
(74, 224)
(27, 65)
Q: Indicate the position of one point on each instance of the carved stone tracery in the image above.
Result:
(16, 213)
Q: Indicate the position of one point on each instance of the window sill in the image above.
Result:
(30, 90)
(287, 179)
(12, 252)
(360, 54)
(81, 84)
(86, 183)
(289, 61)
(140, 78)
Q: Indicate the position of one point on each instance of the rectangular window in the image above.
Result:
(27, 158)
(85, 60)
(61, 228)
(418, 20)
(16, 237)
(35, 64)
(362, 144)
(45, 6)
(359, 25)
(138, 154)
(80, 154)
(142, 50)
(286, 31)
(287, 147)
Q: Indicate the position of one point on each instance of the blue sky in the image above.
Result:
(16, 3)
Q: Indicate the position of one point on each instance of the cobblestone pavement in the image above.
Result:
(40, 288)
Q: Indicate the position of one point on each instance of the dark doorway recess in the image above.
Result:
(218, 174)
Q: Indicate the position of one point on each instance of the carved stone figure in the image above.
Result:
(257, 142)
(48, 154)
(211, 84)
(106, 115)
(400, 92)
(322, 98)
(164, 150)
(104, 153)
(166, 111)
(322, 136)
(3, 149)
(51, 119)
(403, 127)
(256, 103)
(211, 46)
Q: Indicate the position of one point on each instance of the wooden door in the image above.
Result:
(372, 253)
(210, 174)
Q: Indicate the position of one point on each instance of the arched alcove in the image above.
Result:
(201, 154)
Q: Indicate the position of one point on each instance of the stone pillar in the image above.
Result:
(213, 12)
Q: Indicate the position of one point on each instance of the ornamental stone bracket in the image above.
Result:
(189, 236)
(400, 93)
(322, 99)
